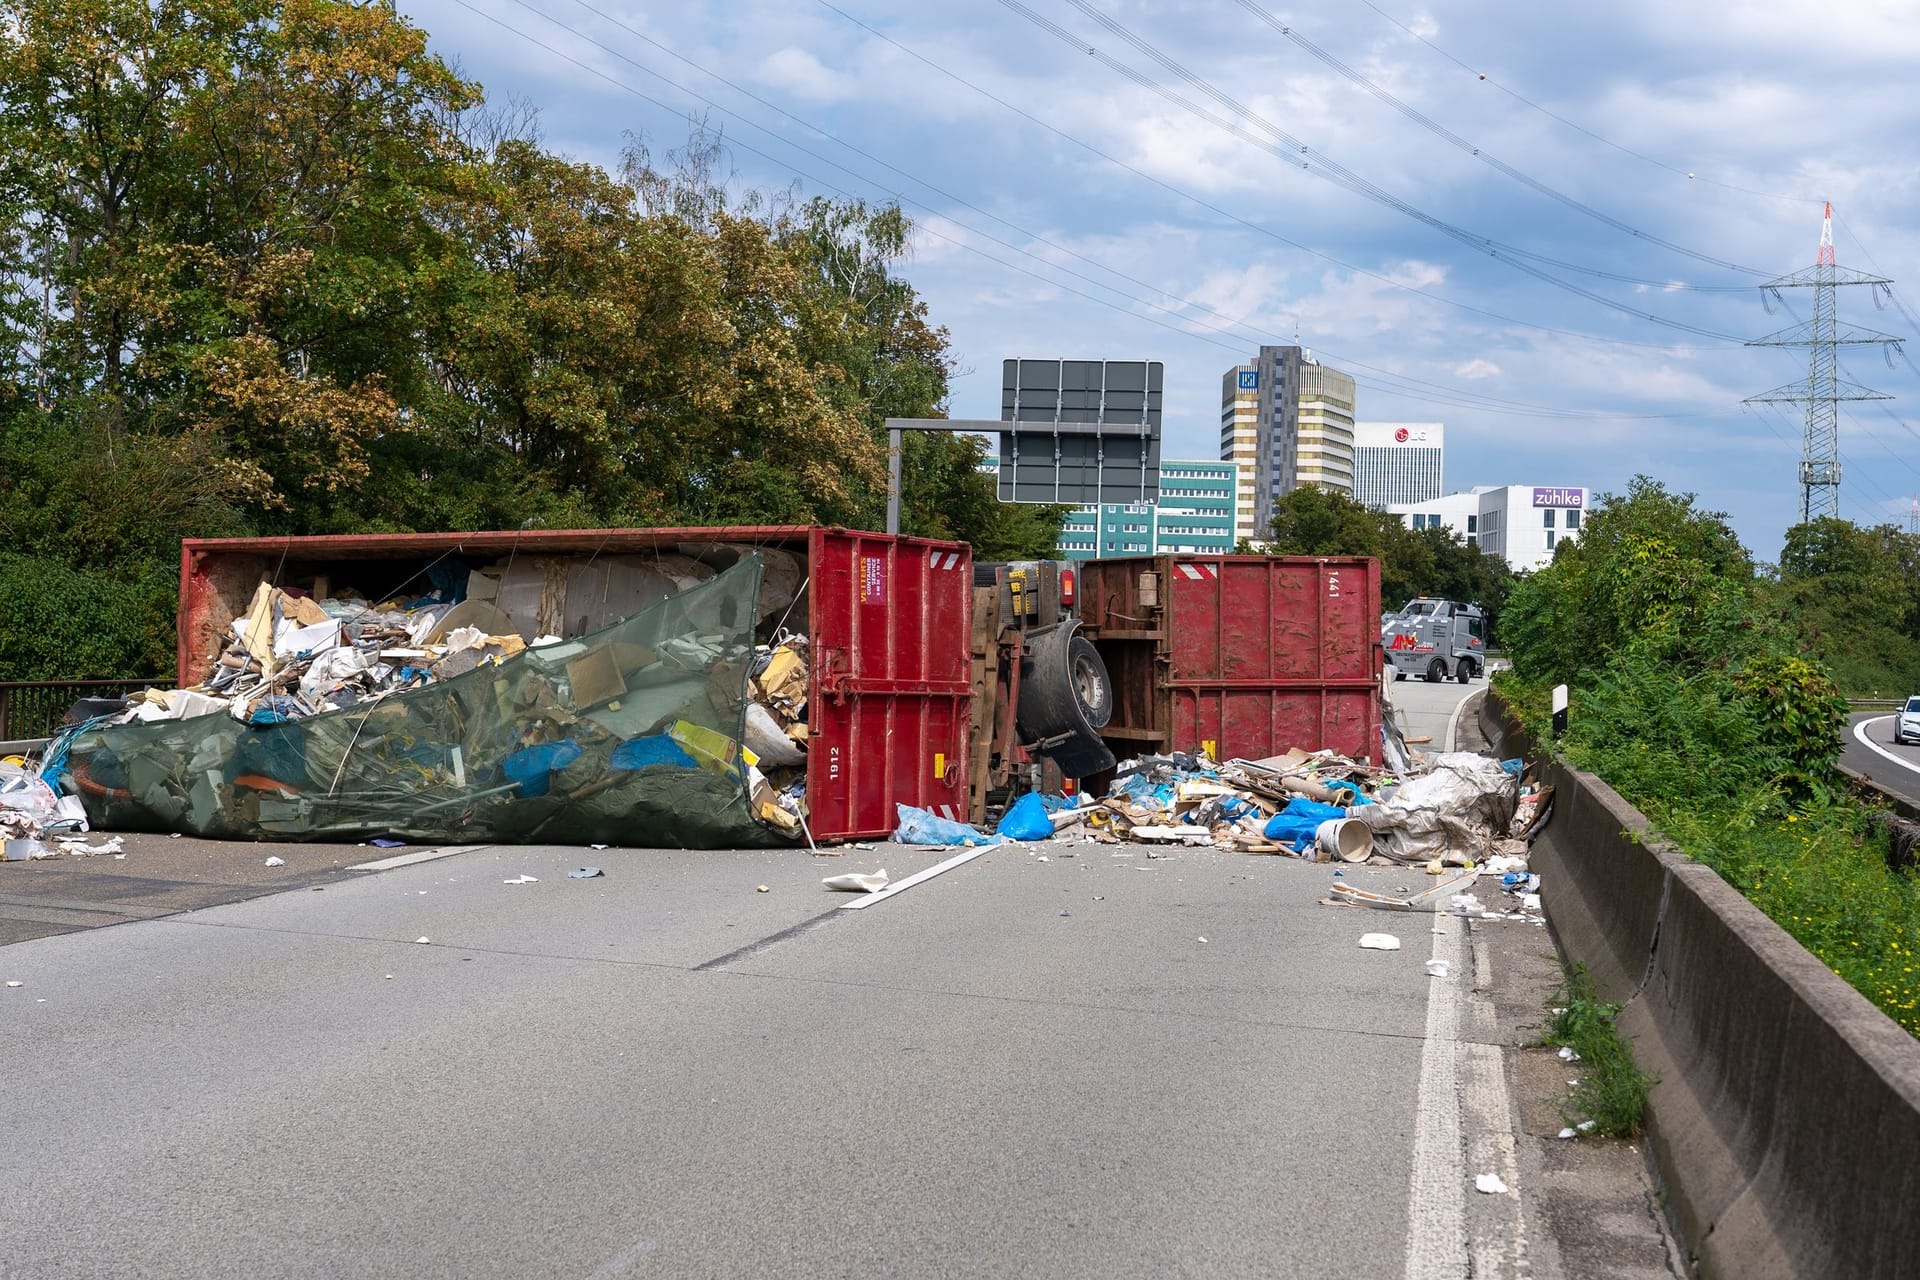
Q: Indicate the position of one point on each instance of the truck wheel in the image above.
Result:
(1436, 671)
(1092, 691)
(1466, 671)
(1399, 675)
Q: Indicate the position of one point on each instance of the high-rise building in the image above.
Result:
(1398, 462)
(1302, 420)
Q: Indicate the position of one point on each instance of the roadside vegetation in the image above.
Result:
(1694, 693)
(1611, 1095)
(269, 266)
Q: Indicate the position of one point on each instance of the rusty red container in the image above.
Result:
(1240, 656)
(889, 621)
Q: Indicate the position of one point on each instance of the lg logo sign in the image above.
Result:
(1404, 436)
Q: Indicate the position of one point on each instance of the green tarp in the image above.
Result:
(626, 736)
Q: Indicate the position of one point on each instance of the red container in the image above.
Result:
(1240, 656)
(889, 621)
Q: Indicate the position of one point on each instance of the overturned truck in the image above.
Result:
(698, 687)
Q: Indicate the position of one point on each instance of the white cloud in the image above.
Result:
(1475, 369)
(799, 72)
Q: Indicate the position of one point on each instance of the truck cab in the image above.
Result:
(1435, 640)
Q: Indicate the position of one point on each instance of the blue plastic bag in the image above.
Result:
(917, 826)
(533, 767)
(1297, 823)
(1026, 819)
(653, 749)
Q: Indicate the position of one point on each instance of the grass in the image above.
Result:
(1612, 1092)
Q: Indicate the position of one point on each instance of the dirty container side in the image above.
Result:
(1268, 653)
(891, 681)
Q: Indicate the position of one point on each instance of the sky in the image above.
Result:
(1543, 225)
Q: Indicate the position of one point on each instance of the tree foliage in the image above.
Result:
(1853, 595)
(271, 266)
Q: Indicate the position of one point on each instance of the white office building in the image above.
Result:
(1398, 463)
(1522, 524)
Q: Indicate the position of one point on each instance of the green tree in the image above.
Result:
(1853, 595)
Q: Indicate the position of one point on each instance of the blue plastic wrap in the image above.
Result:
(917, 826)
(1297, 823)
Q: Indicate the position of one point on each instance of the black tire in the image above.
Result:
(1064, 686)
(1087, 676)
(1466, 671)
(1436, 671)
(1399, 675)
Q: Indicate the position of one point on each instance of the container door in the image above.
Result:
(888, 711)
(1272, 653)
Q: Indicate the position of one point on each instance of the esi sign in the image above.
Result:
(1249, 379)
(1575, 498)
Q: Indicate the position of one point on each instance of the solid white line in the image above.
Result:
(418, 855)
(1437, 1189)
(867, 900)
(1453, 721)
(1860, 732)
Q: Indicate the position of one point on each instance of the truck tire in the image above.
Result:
(1467, 671)
(1064, 689)
(1436, 671)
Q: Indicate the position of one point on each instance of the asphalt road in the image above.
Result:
(1097, 1064)
(1869, 749)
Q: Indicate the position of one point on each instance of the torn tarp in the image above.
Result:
(1459, 805)
(631, 735)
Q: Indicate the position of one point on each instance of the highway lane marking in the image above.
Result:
(620, 1263)
(1860, 732)
(1437, 1188)
(418, 855)
(867, 900)
(1453, 721)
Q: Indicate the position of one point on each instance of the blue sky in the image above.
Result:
(1088, 214)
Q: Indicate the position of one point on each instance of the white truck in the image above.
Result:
(1435, 639)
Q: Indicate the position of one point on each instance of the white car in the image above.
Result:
(1906, 725)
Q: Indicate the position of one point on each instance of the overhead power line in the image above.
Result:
(1404, 385)
(1341, 176)
(1257, 228)
(1622, 148)
(1486, 157)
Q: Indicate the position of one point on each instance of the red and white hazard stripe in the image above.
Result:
(938, 559)
(1199, 571)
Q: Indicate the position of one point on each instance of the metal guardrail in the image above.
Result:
(35, 708)
(1876, 704)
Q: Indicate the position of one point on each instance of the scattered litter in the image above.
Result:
(1568, 1055)
(387, 842)
(424, 941)
(1564, 1133)
(16, 984)
(1465, 904)
(274, 862)
(1490, 1184)
(1437, 969)
(596, 846)
(1199, 939)
(521, 879)
(763, 889)
(585, 873)
(858, 881)
(919, 826)
(1585, 1125)
(1379, 942)
(1066, 915)
(389, 977)
(1045, 858)
(173, 835)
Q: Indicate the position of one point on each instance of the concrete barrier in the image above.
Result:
(1785, 1121)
